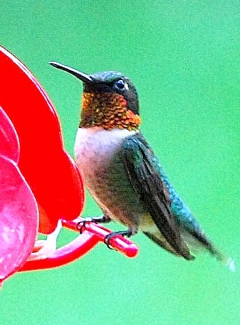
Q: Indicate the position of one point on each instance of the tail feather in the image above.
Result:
(197, 241)
(161, 241)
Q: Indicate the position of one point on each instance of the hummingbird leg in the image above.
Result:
(125, 233)
(102, 219)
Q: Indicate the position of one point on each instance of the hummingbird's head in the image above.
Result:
(110, 99)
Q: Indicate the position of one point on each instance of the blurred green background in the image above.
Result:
(184, 57)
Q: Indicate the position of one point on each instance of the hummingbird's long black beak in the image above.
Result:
(80, 75)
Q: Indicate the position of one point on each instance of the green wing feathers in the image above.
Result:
(138, 159)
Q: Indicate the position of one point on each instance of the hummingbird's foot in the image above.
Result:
(81, 226)
(125, 233)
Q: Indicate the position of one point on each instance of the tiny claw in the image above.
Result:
(81, 225)
(107, 239)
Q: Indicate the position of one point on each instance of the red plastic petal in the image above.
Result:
(9, 144)
(18, 219)
(48, 169)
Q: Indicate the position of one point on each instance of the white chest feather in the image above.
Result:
(95, 154)
(94, 148)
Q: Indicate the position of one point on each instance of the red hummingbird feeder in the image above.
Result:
(41, 187)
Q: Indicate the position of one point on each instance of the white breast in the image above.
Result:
(95, 146)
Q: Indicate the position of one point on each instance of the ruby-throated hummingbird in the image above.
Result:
(123, 174)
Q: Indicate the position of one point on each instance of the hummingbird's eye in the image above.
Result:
(120, 85)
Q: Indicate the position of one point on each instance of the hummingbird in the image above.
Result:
(123, 174)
